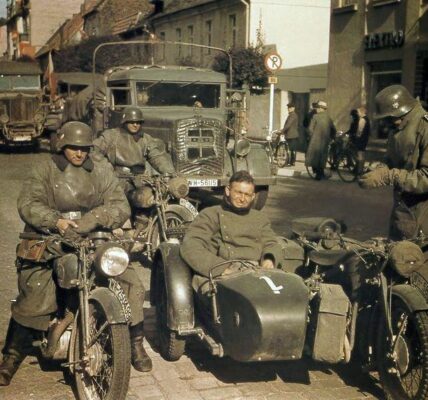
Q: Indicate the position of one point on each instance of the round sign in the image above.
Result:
(273, 61)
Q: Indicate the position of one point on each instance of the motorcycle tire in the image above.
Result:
(171, 346)
(347, 167)
(282, 155)
(262, 193)
(108, 373)
(412, 350)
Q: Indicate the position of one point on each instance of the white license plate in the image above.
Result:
(202, 182)
(22, 138)
(282, 138)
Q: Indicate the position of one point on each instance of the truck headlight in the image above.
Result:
(4, 119)
(242, 147)
(38, 118)
(111, 259)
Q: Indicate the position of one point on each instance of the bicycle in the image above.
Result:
(280, 149)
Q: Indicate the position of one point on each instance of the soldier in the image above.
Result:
(69, 185)
(232, 230)
(321, 131)
(407, 161)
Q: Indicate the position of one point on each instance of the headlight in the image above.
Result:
(4, 119)
(38, 118)
(242, 147)
(111, 260)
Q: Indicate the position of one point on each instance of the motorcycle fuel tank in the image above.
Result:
(263, 315)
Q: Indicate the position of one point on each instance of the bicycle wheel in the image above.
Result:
(282, 155)
(347, 167)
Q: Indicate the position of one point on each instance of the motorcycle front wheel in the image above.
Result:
(407, 378)
(106, 372)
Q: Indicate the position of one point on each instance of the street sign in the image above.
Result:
(273, 61)
(272, 79)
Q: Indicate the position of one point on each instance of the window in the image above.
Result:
(190, 39)
(232, 30)
(378, 3)
(178, 39)
(208, 29)
(341, 6)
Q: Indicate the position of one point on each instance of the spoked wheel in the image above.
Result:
(282, 155)
(104, 375)
(171, 346)
(407, 378)
(347, 167)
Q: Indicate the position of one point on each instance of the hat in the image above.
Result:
(321, 104)
(291, 105)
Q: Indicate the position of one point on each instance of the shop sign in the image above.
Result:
(383, 40)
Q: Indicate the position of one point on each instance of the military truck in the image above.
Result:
(22, 106)
(198, 117)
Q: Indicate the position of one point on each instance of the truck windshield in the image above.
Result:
(19, 82)
(183, 94)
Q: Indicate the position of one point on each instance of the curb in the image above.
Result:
(293, 173)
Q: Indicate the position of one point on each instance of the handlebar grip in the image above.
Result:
(31, 236)
(314, 235)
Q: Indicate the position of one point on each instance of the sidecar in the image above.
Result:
(254, 315)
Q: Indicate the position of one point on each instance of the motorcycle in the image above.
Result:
(280, 149)
(317, 311)
(89, 333)
(159, 212)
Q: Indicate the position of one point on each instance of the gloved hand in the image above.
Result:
(71, 234)
(382, 176)
(178, 187)
(87, 223)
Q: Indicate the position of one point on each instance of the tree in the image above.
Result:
(247, 67)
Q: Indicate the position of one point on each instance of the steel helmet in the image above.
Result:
(75, 133)
(394, 101)
(132, 114)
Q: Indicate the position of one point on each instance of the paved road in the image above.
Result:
(197, 376)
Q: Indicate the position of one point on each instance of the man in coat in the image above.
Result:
(407, 161)
(321, 132)
(232, 230)
(70, 194)
(291, 131)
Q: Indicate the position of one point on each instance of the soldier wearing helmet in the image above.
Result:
(70, 194)
(407, 161)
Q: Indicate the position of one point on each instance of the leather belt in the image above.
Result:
(72, 215)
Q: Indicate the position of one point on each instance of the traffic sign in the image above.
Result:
(272, 79)
(273, 61)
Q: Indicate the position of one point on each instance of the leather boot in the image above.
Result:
(140, 360)
(17, 339)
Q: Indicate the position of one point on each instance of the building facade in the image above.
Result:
(31, 23)
(373, 44)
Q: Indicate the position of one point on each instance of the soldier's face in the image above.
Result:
(240, 194)
(133, 127)
(76, 155)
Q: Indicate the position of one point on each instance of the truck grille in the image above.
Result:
(200, 147)
(20, 108)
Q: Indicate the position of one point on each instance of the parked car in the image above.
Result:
(22, 107)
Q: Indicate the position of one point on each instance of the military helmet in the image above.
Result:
(75, 133)
(132, 114)
(394, 101)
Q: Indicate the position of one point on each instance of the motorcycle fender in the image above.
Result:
(411, 297)
(185, 209)
(111, 305)
(178, 281)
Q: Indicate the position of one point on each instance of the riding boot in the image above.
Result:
(360, 167)
(18, 338)
(140, 360)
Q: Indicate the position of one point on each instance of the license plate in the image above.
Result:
(282, 138)
(23, 138)
(202, 182)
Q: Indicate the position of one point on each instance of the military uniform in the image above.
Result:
(407, 156)
(56, 189)
(123, 149)
(219, 234)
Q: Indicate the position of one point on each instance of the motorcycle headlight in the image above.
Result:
(4, 119)
(111, 259)
(242, 147)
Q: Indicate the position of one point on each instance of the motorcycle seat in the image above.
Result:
(329, 257)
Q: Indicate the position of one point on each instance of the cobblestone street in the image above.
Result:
(197, 375)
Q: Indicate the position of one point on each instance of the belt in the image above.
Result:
(72, 215)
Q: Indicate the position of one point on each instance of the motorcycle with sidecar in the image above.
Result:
(335, 305)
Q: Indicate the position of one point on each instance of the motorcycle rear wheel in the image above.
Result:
(171, 346)
(106, 376)
(411, 383)
(282, 155)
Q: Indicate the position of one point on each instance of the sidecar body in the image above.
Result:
(253, 315)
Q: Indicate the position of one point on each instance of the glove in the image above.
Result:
(382, 176)
(87, 223)
(71, 234)
(178, 187)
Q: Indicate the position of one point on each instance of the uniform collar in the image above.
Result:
(137, 136)
(61, 162)
(226, 205)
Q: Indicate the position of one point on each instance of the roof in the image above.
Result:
(168, 73)
(89, 6)
(76, 78)
(19, 67)
(302, 79)
(178, 5)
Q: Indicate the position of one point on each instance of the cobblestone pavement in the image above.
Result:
(196, 376)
